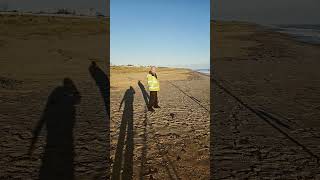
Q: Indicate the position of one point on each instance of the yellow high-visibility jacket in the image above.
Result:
(153, 83)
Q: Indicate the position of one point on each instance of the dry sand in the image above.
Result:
(171, 143)
(274, 133)
(36, 54)
(265, 118)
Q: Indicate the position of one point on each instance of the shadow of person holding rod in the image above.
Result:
(103, 83)
(171, 165)
(144, 93)
(145, 134)
(59, 119)
(125, 139)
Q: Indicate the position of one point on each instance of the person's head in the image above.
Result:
(153, 69)
(68, 83)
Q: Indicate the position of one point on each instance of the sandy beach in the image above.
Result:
(265, 94)
(54, 91)
(51, 95)
(171, 143)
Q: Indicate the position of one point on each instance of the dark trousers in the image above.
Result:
(153, 99)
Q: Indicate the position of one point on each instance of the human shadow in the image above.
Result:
(266, 117)
(103, 83)
(144, 93)
(125, 140)
(59, 119)
(172, 175)
(145, 132)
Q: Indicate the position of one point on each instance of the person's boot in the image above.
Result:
(157, 106)
(151, 109)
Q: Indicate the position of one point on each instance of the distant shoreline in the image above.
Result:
(52, 15)
(202, 73)
(205, 72)
(142, 66)
(276, 28)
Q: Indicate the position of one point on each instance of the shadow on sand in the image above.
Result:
(103, 83)
(59, 119)
(144, 93)
(266, 117)
(170, 168)
(145, 133)
(125, 140)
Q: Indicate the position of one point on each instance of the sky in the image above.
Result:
(39, 5)
(267, 11)
(160, 32)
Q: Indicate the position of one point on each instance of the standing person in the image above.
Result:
(154, 87)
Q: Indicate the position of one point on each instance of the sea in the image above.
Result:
(201, 68)
(204, 71)
(309, 33)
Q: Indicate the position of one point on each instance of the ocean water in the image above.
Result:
(303, 32)
(204, 71)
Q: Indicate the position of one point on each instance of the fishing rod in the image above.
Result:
(191, 97)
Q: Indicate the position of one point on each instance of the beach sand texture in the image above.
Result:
(171, 143)
(265, 94)
(36, 54)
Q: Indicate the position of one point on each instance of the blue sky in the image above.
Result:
(160, 32)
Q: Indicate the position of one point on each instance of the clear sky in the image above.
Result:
(268, 11)
(160, 32)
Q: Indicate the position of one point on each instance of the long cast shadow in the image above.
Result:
(175, 174)
(145, 133)
(125, 140)
(103, 83)
(265, 117)
(59, 119)
(144, 93)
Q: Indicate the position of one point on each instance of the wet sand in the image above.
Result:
(69, 121)
(171, 143)
(265, 94)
